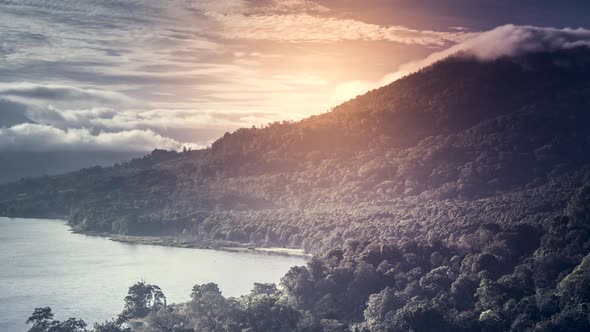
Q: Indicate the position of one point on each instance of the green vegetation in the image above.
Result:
(42, 321)
(523, 278)
(455, 199)
(142, 299)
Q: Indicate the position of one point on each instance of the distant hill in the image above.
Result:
(15, 165)
(459, 139)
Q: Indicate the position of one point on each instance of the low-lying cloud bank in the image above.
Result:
(39, 137)
(55, 92)
(112, 128)
(109, 119)
(503, 41)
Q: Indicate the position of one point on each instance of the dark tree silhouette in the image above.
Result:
(142, 299)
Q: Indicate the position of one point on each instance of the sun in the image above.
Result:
(348, 90)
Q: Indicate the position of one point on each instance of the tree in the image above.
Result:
(70, 325)
(420, 317)
(167, 320)
(269, 313)
(210, 310)
(142, 299)
(110, 326)
(380, 309)
(574, 288)
(264, 289)
(298, 285)
(41, 319)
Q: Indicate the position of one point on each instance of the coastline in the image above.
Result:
(196, 244)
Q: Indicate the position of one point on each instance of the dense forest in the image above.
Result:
(454, 199)
(522, 278)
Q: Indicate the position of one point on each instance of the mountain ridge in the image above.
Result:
(458, 131)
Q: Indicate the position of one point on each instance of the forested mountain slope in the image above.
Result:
(458, 144)
(455, 199)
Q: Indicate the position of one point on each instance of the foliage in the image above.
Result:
(512, 281)
(142, 299)
(42, 321)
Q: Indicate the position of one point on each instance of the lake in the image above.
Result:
(43, 264)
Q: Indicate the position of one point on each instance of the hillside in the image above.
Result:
(456, 140)
(454, 199)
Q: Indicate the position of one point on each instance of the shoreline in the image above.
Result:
(175, 242)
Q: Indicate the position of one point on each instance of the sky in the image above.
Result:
(122, 75)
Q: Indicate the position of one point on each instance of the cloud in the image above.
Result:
(110, 120)
(309, 21)
(12, 113)
(92, 73)
(209, 64)
(73, 118)
(503, 41)
(303, 27)
(55, 92)
(289, 6)
(511, 40)
(37, 137)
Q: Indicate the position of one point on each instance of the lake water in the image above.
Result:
(43, 264)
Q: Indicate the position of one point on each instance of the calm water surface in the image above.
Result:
(43, 264)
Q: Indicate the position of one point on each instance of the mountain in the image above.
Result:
(454, 199)
(463, 135)
(15, 165)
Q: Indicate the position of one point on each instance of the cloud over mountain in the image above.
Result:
(38, 137)
(506, 40)
(512, 40)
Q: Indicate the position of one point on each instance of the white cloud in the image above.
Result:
(105, 69)
(207, 65)
(511, 40)
(55, 92)
(160, 119)
(290, 6)
(507, 40)
(303, 27)
(37, 137)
